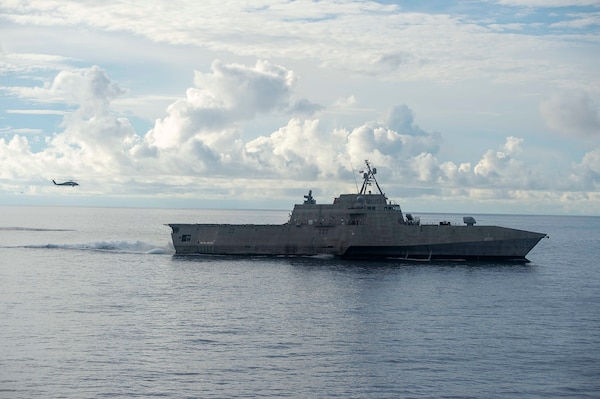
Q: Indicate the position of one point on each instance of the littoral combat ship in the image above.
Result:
(362, 225)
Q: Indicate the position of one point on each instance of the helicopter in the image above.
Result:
(71, 183)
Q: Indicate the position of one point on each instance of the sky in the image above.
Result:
(466, 106)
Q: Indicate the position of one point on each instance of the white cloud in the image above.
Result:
(426, 166)
(572, 113)
(579, 21)
(345, 102)
(87, 88)
(401, 119)
(246, 91)
(206, 122)
(25, 63)
(21, 131)
(93, 140)
(587, 173)
(591, 161)
(550, 3)
(202, 135)
(513, 145)
(36, 112)
(299, 150)
(502, 167)
(16, 148)
(351, 36)
(458, 175)
(202, 132)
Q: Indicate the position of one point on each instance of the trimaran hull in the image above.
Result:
(353, 242)
(361, 225)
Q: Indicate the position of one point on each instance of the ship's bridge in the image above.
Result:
(369, 201)
(346, 209)
(360, 199)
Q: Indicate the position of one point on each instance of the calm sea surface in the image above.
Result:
(94, 304)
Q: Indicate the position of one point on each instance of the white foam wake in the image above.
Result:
(135, 247)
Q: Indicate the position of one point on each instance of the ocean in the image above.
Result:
(94, 304)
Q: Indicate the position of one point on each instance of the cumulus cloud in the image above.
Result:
(388, 146)
(401, 119)
(458, 174)
(87, 88)
(304, 149)
(93, 137)
(218, 101)
(203, 130)
(247, 90)
(202, 134)
(345, 102)
(572, 113)
(299, 150)
(92, 140)
(304, 107)
(501, 168)
(502, 165)
(497, 168)
(17, 148)
(426, 166)
(587, 173)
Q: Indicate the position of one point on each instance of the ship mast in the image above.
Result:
(368, 179)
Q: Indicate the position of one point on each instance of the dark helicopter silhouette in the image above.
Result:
(71, 183)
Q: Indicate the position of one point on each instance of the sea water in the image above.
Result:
(93, 303)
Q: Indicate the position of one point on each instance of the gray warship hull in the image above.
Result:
(356, 241)
(362, 225)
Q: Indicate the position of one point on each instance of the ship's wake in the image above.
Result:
(116, 246)
(16, 228)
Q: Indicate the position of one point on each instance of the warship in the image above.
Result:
(362, 225)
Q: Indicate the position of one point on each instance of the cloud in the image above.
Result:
(88, 88)
(346, 102)
(572, 113)
(22, 131)
(401, 119)
(502, 169)
(203, 132)
(387, 146)
(24, 63)
(304, 107)
(247, 91)
(426, 166)
(580, 21)
(427, 45)
(17, 148)
(93, 140)
(244, 119)
(501, 165)
(550, 3)
(587, 173)
(200, 144)
(299, 150)
(35, 112)
(203, 128)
